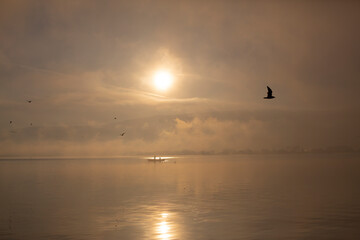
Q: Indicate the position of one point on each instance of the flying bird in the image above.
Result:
(122, 134)
(269, 94)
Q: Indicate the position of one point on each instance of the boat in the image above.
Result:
(155, 159)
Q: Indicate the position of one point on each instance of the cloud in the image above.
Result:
(209, 132)
(84, 62)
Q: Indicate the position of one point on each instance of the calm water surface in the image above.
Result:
(207, 197)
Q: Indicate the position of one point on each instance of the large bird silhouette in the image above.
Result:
(269, 93)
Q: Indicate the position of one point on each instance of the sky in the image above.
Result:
(83, 63)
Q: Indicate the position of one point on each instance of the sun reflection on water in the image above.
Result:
(163, 228)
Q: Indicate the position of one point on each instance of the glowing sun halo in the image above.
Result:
(163, 80)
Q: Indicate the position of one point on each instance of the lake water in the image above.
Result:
(189, 197)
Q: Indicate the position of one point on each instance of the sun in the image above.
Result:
(163, 79)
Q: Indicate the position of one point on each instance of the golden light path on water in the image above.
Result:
(163, 228)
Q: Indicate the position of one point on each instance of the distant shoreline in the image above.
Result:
(174, 155)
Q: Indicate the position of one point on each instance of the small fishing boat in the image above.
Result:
(156, 159)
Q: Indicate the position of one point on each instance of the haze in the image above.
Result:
(85, 63)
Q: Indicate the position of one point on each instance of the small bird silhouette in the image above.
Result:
(269, 94)
(122, 134)
(29, 101)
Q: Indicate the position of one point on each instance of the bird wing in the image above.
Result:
(269, 93)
